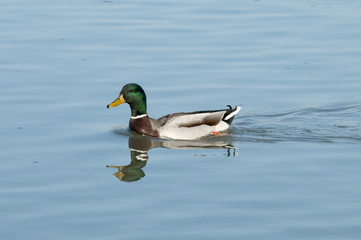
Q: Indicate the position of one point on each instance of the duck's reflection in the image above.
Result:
(140, 145)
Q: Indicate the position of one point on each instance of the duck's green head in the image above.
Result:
(134, 95)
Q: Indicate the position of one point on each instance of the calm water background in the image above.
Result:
(290, 169)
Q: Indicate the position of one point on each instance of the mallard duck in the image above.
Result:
(184, 125)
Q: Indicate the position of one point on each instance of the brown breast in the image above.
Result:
(143, 126)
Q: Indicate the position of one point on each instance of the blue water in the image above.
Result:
(289, 167)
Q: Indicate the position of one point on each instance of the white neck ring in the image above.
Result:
(139, 116)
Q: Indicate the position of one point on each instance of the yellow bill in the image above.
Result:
(118, 101)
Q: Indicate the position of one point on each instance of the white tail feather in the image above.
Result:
(238, 108)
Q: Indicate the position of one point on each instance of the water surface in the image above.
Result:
(287, 169)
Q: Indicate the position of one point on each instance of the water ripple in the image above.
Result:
(340, 124)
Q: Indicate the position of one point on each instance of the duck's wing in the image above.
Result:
(193, 119)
